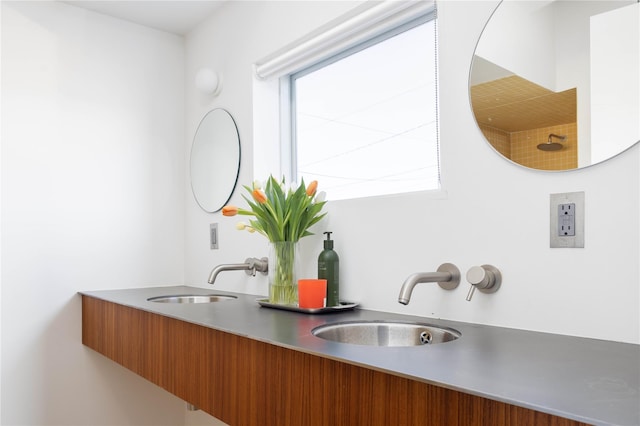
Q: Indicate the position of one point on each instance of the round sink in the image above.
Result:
(385, 333)
(191, 298)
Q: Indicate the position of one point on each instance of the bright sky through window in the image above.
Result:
(367, 124)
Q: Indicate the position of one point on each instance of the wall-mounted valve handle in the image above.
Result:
(257, 265)
(486, 278)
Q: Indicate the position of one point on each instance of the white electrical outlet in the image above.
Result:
(567, 220)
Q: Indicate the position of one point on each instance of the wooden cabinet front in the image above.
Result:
(246, 382)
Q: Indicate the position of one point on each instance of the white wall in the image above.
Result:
(492, 211)
(92, 198)
(615, 109)
(529, 48)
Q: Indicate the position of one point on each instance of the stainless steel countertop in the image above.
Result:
(589, 380)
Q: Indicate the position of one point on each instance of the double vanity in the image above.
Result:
(246, 364)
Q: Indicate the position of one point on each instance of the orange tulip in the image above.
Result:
(259, 196)
(229, 211)
(311, 189)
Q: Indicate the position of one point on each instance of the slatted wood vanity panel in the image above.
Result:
(246, 382)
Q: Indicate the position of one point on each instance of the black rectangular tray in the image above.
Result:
(344, 306)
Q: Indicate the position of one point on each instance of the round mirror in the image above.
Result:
(554, 85)
(215, 160)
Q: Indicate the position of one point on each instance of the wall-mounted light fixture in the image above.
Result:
(208, 81)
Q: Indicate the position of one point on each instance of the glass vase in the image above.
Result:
(283, 280)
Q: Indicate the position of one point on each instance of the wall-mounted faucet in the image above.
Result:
(251, 265)
(486, 278)
(447, 277)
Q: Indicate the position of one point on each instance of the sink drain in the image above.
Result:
(425, 337)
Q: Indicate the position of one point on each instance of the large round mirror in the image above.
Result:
(215, 160)
(555, 85)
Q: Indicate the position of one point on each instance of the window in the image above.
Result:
(364, 122)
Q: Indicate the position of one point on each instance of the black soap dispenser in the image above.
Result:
(328, 269)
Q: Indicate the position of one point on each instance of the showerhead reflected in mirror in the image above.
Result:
(555, 85)
(550, 145)
(215, 160)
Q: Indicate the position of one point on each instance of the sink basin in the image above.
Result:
(191, 298)
(385, 333)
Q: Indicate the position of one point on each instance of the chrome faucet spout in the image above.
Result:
(227, 267)
(250, 265)
(447, 277)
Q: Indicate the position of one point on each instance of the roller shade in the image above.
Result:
(363, 23)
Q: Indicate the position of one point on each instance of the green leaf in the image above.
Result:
(286, 215)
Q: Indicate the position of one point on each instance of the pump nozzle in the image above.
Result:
(328, 243)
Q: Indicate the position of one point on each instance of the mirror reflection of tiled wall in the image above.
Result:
(521, 147)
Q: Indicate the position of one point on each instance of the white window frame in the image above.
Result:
(271, 74)
(288, 139)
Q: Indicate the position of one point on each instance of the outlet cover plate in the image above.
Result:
(567, 241)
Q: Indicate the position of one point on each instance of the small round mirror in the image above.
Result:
(215, 160)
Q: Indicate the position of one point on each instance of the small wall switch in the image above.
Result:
(213, 236)
(567, 220)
